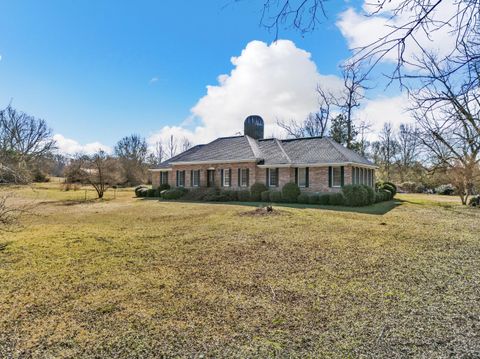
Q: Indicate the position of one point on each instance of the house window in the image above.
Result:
(195, 178)
(163, 177)
(180, 178)
(302, 177)
(244, 177)
(227, 181)
(336, 177)
(273, 177)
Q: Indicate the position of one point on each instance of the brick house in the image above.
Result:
(315, 164)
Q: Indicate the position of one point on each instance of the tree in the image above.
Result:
(385, 150)
(411, 23)
(338, 129)
(408, 149)
(447, 110)
(186, 144)
(132, 153)
(172, 146)
(99, 170)
(23, 140)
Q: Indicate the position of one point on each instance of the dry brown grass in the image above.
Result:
(133, 278)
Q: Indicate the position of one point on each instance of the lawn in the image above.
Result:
(133, 278)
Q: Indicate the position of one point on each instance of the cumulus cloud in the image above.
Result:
(385, 109)
(69, 146)
(276, 81)
(360, 28)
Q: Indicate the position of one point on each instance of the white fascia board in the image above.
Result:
(210, 162)
(159, 169)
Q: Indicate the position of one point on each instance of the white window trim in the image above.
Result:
(179, 176)
(305, 177)
(333, 177)
(242, 172)
(270, 177)
(198, 178)
(225, 171)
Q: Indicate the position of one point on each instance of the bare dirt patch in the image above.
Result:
(263, 211)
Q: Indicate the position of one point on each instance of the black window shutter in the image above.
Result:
(221, 178)
(177, 179)
(296, 175)
(307, 175)
(267, 181)
(230, 176)
(342, 176)
(239, 174)
(330, 176)
(191, 178)
(248, 177)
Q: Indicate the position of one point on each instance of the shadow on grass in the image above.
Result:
(375, 209)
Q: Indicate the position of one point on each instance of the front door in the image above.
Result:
(210, 178)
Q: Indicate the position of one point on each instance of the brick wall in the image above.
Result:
(318, 176)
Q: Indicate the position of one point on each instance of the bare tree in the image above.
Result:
(186, 144)
(23, 140)
(408, 149)
(100, 170)
(412, 22)
(172, 146)
(447, 109)
(132, 153)
(385, 150)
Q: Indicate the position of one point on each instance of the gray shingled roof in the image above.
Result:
(272, 151)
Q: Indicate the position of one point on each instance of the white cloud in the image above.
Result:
(70, 147)
(360, 28)
(385, 109)
(276, 81)
(153, 80)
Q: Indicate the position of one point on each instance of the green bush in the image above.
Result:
(290, 192)
(388, 186)
(445, 189)
(275, 196)
(152, 192)
(370, 193)
(199, 194)
(140, 190)
(324, 199)
(303, 198)
(174, 193)
(336, 199)
(163, 187)
(474, 201)
(265, 196)
(378, 197)
(229, 195)
(243, 196)
(256, 191)
(314, 198)
(355, 195)
(387, 195)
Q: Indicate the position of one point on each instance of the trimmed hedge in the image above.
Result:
(163, 187)
(290, 192)
(275, 196)
(141, 191)
(303, 198)
(388, 186)
(256, 191)
(243, 196)
(336, 199)
(174, 193)
(355, 195)
(265, 196)
(314, 198)
(324, 199)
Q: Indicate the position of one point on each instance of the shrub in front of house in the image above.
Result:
(388, 186)
(275, 196)
(243, 196)
(356, 195)
(324, 199)
(200, 194)
(256, 191)
(163, 187)
(152, 192)
(303, 198)
(265, 196)
(290, 192)
(370, 193)
(336, 199)
(314, 198)
(174, 193)
(445, 189)
(383, 195)
(141, 191)
(229, 195)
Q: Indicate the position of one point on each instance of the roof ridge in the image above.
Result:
(254, 147)
(282, 149)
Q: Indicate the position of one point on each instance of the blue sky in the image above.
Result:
(99, 70)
